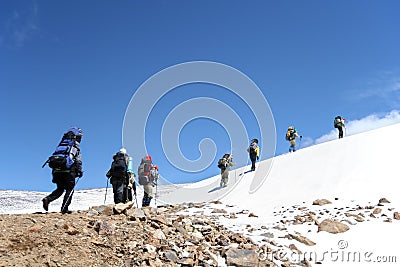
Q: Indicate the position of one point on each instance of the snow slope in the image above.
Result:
(357, 171)
(361, 167)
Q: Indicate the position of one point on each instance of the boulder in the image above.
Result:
(333, 227)
(122, 207)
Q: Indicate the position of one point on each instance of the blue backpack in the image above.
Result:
(64, 156)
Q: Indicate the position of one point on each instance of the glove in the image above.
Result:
(301, 136)
(79, 174)
(258, 157)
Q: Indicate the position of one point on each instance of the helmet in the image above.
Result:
(255, 140)
(122, 150)
(291, 128)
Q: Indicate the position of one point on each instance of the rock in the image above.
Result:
(302, 239)
(106, 210)
(197, 235)
(252, 215)
(186, 262)
(396, 215)
(92, 212)
(377, 211)
(219, 211)
(150, 248)
(293, 248)
(311, 217)
(305, 263)
(333, 227)
(161, 220)
(237, 238)
(321, 202)
(34, 228)
(170, 256)
(70, 229)
(122, 207)
(104, 228)
(383, 200)
(241, 257)
(136, 214)
(268, 235)
(358, 218)
(159, 234)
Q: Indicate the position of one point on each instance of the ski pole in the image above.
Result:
(105, 196)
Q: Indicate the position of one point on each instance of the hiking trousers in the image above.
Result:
(340, 128)
(118, 189)
(224, 177)
(148, 194)
(65, 181)
(253, 158)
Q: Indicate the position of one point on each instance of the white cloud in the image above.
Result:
(385, 86)
(367, 123)
(21, 26)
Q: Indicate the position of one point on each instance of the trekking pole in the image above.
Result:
(105, 196)
(70, 194)
(155, 198)
(44, 164)
(137, 205)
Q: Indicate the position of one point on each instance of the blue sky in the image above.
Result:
(80, 62)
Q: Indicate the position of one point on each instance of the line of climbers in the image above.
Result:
(66, 165)
(254, 151)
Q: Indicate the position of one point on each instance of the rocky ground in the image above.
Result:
(174, 235)
(120, 235)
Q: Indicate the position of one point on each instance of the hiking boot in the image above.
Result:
(45, 204)
(66, 211)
